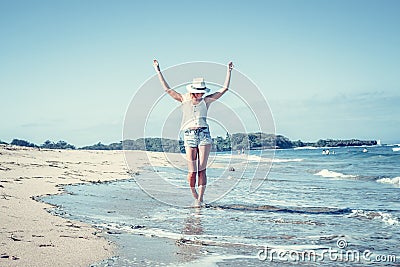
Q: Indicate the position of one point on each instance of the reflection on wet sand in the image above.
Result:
(188, 248)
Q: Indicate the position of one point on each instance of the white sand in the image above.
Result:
(29, 235)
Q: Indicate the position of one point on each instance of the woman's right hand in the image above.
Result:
(156, 65)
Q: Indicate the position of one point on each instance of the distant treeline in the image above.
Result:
(351, 142)
(236, 141)
(47, 144)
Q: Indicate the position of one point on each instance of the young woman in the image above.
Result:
(197, 139)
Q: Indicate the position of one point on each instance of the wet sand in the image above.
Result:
(31, 236)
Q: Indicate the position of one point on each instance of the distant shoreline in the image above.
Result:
(232, 142)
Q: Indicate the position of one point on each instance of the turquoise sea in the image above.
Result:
(341, 209)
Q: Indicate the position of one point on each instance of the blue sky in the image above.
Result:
(329, 69)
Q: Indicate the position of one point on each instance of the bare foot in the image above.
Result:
(196, 204)
(194, 192)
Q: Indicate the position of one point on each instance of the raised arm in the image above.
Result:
(220, 92)
(174, 94)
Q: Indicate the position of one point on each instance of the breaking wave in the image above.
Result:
(331, 174)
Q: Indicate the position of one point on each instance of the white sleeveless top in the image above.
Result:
(194, 116)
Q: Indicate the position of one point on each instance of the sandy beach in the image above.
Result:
(29, 234)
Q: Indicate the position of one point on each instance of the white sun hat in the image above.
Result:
(197, 86)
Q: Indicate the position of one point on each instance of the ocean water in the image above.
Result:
(312, 210)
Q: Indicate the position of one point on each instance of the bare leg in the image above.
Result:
(192, 183)
(191, 157)
(204, 152)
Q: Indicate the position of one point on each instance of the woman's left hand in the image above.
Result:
(230, 65)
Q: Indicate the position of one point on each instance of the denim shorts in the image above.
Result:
(197, 137)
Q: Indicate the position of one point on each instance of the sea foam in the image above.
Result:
(331, 174)
(387, 218)
(395, 181)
